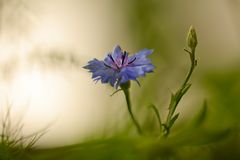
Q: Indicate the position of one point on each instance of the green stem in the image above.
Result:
(129, 106)
(174, 103)
(193, 65)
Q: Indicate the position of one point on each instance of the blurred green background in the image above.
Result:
(44, 45)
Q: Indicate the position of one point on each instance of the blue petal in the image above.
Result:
(109, 61)
(140, 58)
(127, 74)
(95, 65)
(144, 52)
(148, 68)
(139, 71)
(101, 72)
(117, 52)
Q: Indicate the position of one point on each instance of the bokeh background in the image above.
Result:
(44, 45)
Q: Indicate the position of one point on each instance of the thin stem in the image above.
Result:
(193, 65)
(177, 97)
(129, 106)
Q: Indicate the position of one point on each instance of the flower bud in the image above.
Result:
(192, 38)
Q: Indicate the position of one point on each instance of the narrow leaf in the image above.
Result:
(186, 88)
(115, 92)
(172, 101)
(201, 116)
(173, 120)
(156, 111)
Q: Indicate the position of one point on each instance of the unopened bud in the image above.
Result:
(192, 38)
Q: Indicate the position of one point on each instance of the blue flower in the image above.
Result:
(118, 67)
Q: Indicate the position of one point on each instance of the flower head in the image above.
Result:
(118, 67)
(192, 38)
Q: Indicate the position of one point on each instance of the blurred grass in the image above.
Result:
(143, 148)
(195, 140)
(224, 87)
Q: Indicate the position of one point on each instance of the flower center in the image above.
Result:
(120, 62)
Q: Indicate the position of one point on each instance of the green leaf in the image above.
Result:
(186, 88)
(156, 111)
(172, 101)
(115, 92)
(180, 93)
(201, 116)
(173, 120)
